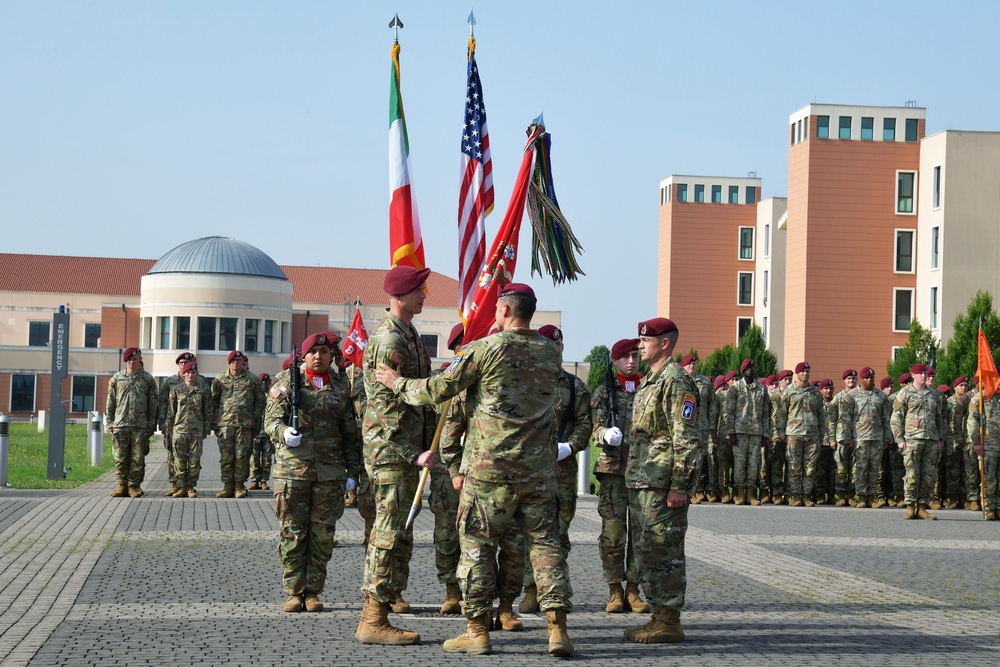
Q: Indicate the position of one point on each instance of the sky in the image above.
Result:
(128, 128)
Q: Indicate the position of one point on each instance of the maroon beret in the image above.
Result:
(623, 347)
(131, 352)
(801, 366)
(688, 358)
(189, 366)
(886, 382)
(285, 364)
(404, 279)
(720, 381)
(457, 331)
(769, 380)
(825, 382)
(445, 365)
(730, 375)
(264, 377)
(944, 388)
(905, 378)
(322, 338)
(959, 380)
(849, 373)
(918, 368)
(762, 381)
(784, 374)
(184, 356)
(517, 288)
(746, 364)
(658, 326)
(867, 372)
(234, 355)
(930, 370)
(972, 380)
(551, 332)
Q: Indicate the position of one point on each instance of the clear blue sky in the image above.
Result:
(130, 127)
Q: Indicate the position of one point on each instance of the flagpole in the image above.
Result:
(982, 424)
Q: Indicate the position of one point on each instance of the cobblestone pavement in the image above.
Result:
(86, 579)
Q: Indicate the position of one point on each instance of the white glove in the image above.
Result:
(564, 451)
(613, 436)
(292, 437)
(351, 484)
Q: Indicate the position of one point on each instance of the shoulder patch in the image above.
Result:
(454, 364)
(688, 406)
(277, 390)
(396, 357)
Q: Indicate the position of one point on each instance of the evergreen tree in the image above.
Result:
(598, 359)
(921, 348)
(721, 360)
(960, 356)
(753, 346)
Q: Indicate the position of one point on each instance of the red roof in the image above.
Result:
(115, 276)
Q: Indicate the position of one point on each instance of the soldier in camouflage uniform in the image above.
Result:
(131, 411)
(619, 527)
(188, 421)
(958, 414)
(825, 484)
(971, 462)
(164, 394)
(364, 495)
(840, 433)
(263, 448)
(513, 380)
(706, 396)
(313, 466)
(919, 429)
(774, 456)
(884, 493)
(748, 414)
(803, 428)
(941, 393)
(869, 433)
(723, 448)
(237, 404)
(986, 445)
(395, 436)
(717, 492)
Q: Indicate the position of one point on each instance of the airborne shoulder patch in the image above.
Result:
(454, 364)
(688, 404)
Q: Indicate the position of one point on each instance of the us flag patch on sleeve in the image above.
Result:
(688, 405)
(396, 358)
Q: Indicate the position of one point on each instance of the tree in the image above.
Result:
(753, 346)
(960, 356)
(598, 359)
(721, 360)
(921, 348)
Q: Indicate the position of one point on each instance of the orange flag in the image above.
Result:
(988, 375)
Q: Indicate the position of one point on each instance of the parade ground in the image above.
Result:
(86, 579)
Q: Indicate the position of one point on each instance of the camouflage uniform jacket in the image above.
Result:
(842, 416)
(189, 410)
(132, 401)
(169, 384)
(395, 433)
(748, 409)
(802, 414)
(991, 425)
(330, 447)
(358, 396)
(944, 415)
(706, 399)
(890, 400)
(665, 432)
(612, 459)
(917, 414)
(959, 415)
(513, 381)
(578, 426)
(720, 406)
(871, 419)
(452, 444)
(777, 412)
(237, 400)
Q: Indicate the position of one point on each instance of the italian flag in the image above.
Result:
(406, 248)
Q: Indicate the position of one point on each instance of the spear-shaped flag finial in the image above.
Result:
(472, 24)
(395, 24)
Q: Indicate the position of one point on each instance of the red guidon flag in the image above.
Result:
(357, 338)
(988, 375)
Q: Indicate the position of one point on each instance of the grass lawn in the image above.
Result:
(29, 452)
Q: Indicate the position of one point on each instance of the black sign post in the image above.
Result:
(57, 409)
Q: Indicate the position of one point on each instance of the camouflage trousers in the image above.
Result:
(168, 444)
(724, 461)
(444, 505)
(235, 445)
(187, 459)
(802, 454)
(921, 461)
(619, 530)
(844, 456)
(991, 496)
(773, 466)
(704, 480)
(130, 447)
(867, 456)
(950, 471)
(486, 511)
(511, 563)
(746, 461)
(659, 553)
(972, 477)
(825, 480)
(566, 503)
(263, 450)
(366, 504)
(308, 514)
(390, 545)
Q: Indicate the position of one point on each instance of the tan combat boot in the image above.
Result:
(254, 486)
(616, 599)
(529, 605)
(878, 504)
(911, 512)
(697, 498)
(241, 491)
(292, 604)
(990, 515)
(452, 599)
(181, 493)
(352, 499)
(172, 491)
(506, 618)
(121, 491)
(795, 500)
(312, 602)
(973, 506)
(227, 491)
(559, 644)
(191, 493)
(739, 497)
(399, 605)
(475, 640)
(922, 513)
(935, 504)
(752, 496)
(665, 628)
(841, 502)
(264, 486)
(374, 627)
(765, 497)
(633, 599)
(807, 501)
(135, 492)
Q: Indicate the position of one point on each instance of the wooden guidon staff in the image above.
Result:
(425, 473)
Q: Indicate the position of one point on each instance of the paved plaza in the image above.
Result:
(86, 579)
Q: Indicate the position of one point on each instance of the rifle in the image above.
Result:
(295, 377)
(609, 384)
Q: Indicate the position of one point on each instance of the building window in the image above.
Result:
(805, 128)
(902, 309)
(38, 334)
(286, 337)
(867, 129)
(936, 190)
(888, 129)
(904, 250)
(430, 343)
(911, 129)
(935, 247)
(206, 333)
(742, 327)
(767, 240)
(699, 193)
(763, 327)
(227, 333)
(164, 330)
(745, 294)
(22, 393)
(792, 141)
(146, 333)
(682, 192)
(905, 185)
(734, 194)
(268, 336)
(91, 335)
(845, 127)
(751, 194)
(934, 308)
(822, 127)
(746, 242)
(716, 194)
(764, 287)
(183, 333)
(250, 335)
(84, 390)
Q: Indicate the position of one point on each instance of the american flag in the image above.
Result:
(475, 200)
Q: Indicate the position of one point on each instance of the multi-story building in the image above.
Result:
(769, 309)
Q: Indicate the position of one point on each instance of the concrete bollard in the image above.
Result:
(95, 439)
(42, 421)
(583, 473)
(4, 449)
